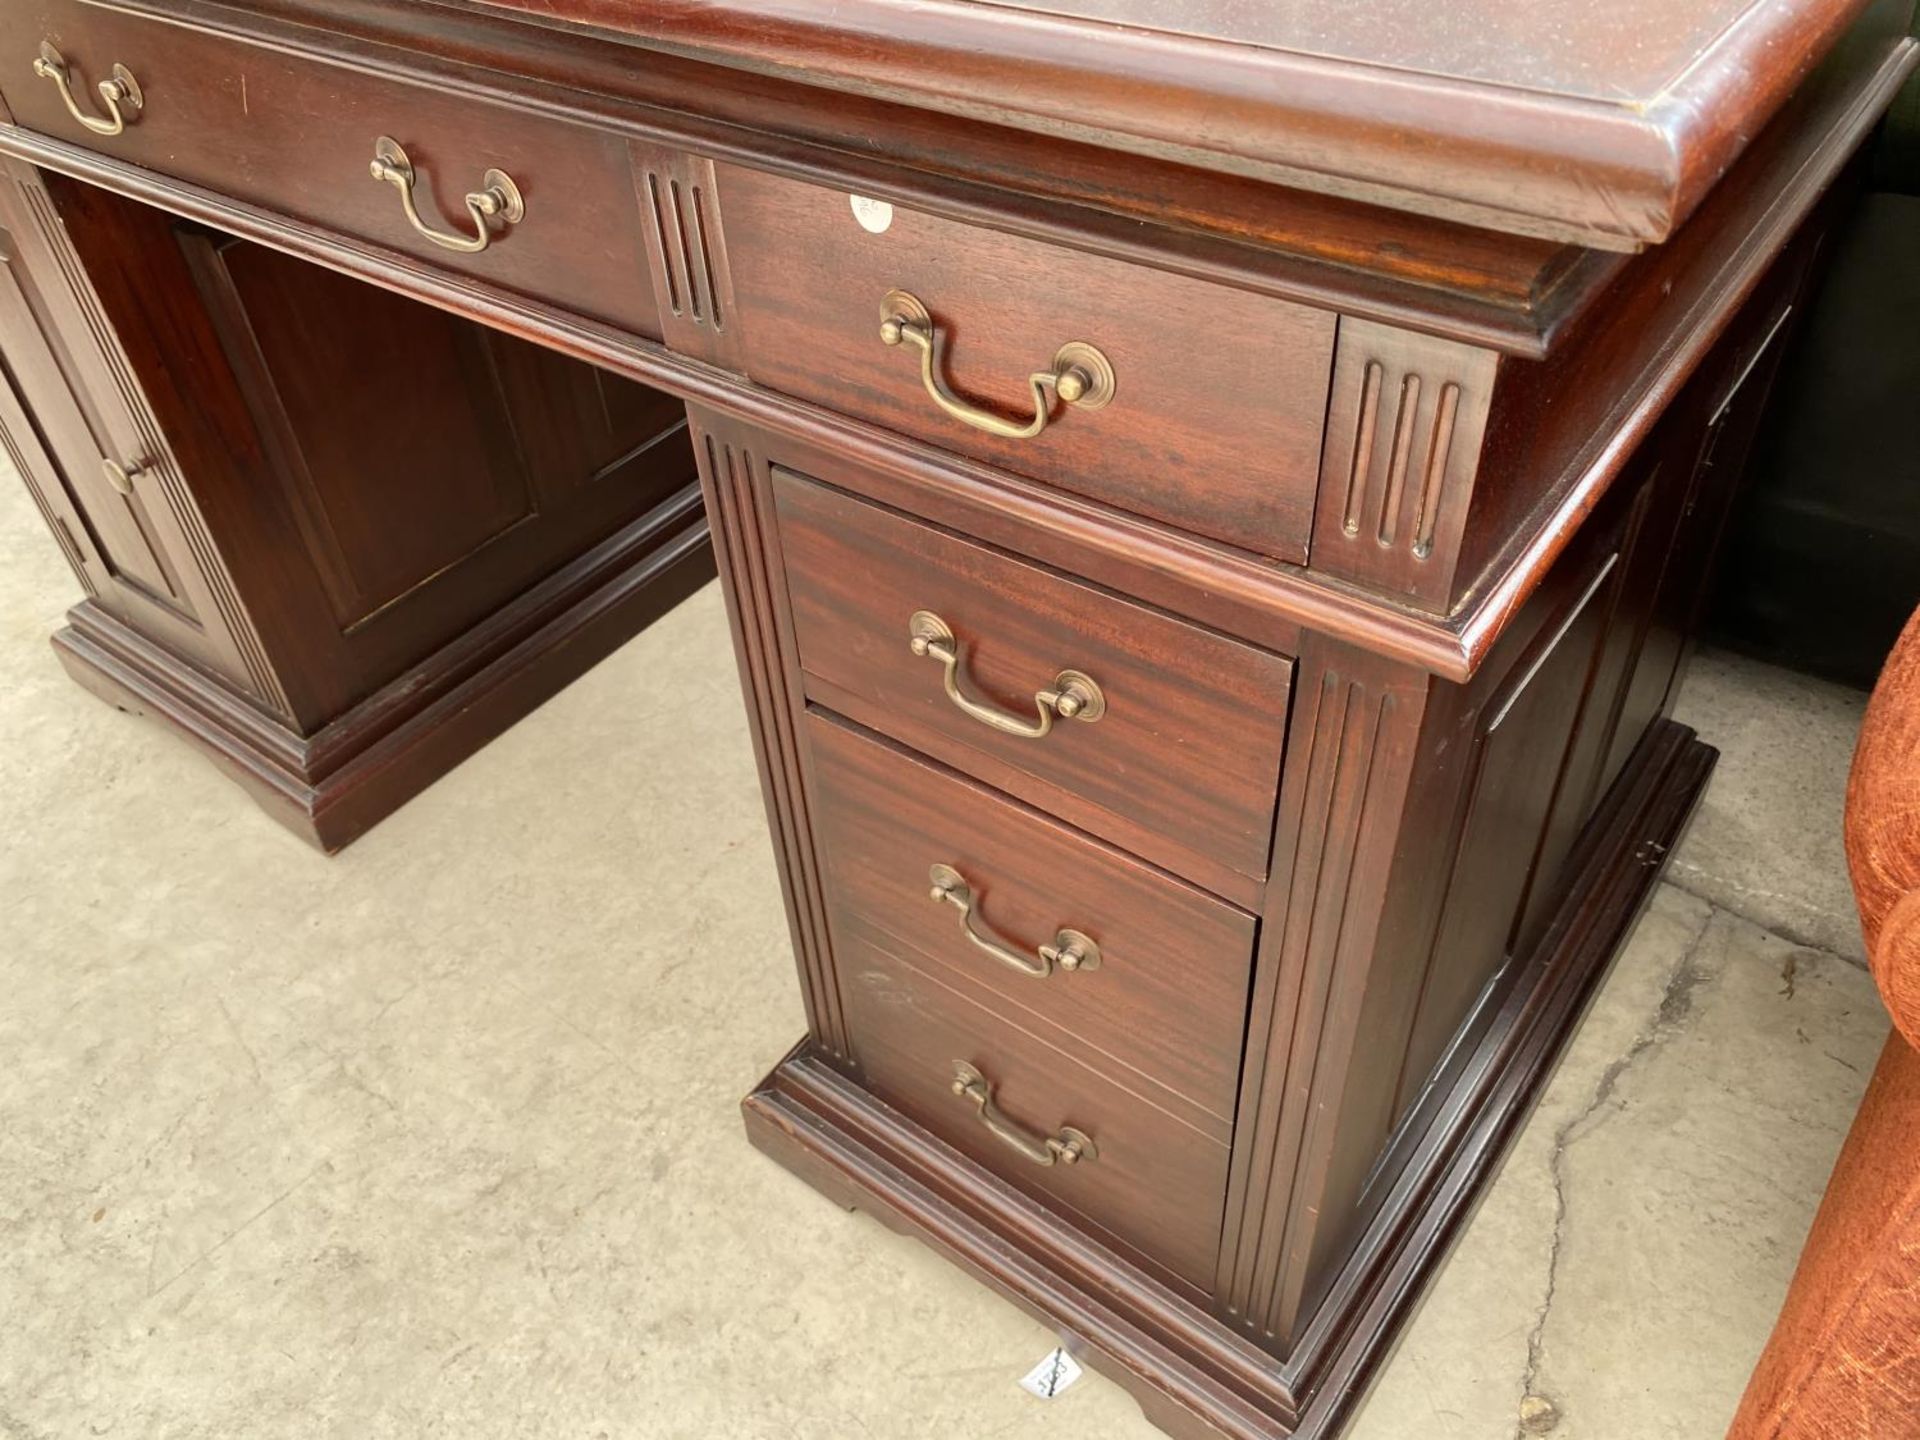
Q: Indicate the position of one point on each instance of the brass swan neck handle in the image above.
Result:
(1073, 695)
(498, 198)
(1068, 1147)
(119, 92)
(1080, 375)
(1070, 949)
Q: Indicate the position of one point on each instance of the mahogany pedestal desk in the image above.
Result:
(1211, 499)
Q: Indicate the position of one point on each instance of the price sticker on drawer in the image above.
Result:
(874, 215)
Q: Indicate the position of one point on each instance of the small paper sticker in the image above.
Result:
(1051, 1375)
(874, 215)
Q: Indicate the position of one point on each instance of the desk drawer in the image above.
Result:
(1148, 1180)
(297, 134)
(1179, 761)
(1218, 398)
(1143, 978)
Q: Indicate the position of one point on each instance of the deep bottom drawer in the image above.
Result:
(1153, 1184)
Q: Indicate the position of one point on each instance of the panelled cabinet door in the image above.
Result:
(379, 477)
(127, 563)
(95, 461)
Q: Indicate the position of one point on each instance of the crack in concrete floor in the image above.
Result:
(1714, 889)
(1676, 1004)
(1667, 1175)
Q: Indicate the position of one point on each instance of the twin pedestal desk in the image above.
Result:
(1211, 499)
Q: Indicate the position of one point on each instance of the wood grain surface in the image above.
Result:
(1182, 769)
(1214, 426)
(296, 133)
(1601, 124)
(1156, 1185)
(1164, 1012)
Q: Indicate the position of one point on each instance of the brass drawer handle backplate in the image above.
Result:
(1070, 950)
(120, 92)
(1073, 695)
(1081, 376)
(497, 198)
(1069, 1147)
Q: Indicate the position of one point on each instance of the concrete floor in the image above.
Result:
(438, 1138)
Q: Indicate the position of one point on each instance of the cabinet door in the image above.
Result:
(72, 414)
(385, 478)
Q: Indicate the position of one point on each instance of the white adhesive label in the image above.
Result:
(1051, 1375)
(874, 215)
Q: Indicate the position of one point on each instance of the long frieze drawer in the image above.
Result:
(1139, 974)
(1190, 403)
(1152, 733)
(1035, 1117)
(301, 136)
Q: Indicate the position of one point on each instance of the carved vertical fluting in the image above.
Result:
(679, 201)
(1405, 417)
(734, 479)
(679, 198)
(1351, 744)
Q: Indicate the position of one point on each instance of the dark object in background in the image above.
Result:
(1821, 562)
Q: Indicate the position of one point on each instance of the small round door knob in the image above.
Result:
(120, 477)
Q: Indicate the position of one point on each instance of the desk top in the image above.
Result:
(1601, 123)
(1628, 51)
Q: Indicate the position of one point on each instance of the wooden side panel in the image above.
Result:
(354, 388)
(581, 429)
(1370, 1003)
(1521, 755)
(687, 253)
(735, 481)
(1405, 420)
(1733, 403)
(1505, 786)
(1510, 771)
